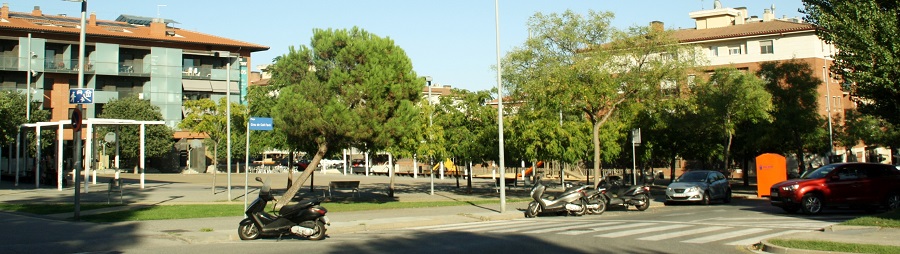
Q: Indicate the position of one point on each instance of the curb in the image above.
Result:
(768, 247)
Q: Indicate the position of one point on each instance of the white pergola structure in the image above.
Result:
(89, 127)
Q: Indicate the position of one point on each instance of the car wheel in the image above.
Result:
(705, 200)
(668, 203)
(811, 203)
(727, 198)
(533, 209)
(893, 201)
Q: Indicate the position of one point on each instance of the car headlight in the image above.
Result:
(693, 189)
(790, 187)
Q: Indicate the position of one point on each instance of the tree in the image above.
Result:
(797, 125)
(870, 129)
(349, 86)
(469, 125)
(12, 108)
(729, 98)
(208, 117)
(158, 138)
(583, 63)
(865, 35)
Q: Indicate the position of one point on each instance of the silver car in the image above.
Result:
(699, 186)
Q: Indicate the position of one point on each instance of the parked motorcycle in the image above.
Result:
(571, 201)
(305, 219)
(615, 192)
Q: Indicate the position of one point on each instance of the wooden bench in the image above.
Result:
(344, 185)
(508, 183)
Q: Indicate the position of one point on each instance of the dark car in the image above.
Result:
(699, 186)
(862, 185)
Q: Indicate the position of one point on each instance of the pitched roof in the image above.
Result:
(115, 29)
(744, 30)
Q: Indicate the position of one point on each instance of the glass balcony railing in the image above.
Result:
(9, 62)
(70, 65)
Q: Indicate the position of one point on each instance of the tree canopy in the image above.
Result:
(348, 86)
(865, 35)
(158, 139)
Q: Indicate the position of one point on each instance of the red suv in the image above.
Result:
(866, 185)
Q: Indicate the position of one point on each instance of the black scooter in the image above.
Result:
(305, 219)
(571, 201)
(617, 193)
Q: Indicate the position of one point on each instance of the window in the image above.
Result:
(668, 87)
(766, 47)
(714, 51)
(735, 50)
(691, 81)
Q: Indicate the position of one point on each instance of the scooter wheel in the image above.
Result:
(248, 230)
(320, 232)
(533, 209)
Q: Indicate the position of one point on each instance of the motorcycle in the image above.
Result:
(614, 192)
(571, 201)
(305, 219)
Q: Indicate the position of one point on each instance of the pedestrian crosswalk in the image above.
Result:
(726, 231)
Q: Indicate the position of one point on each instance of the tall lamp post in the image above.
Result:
(430, 122)
(500, 109)
(227, 56)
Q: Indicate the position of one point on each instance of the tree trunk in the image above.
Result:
(746, 169)
(672, 168)
(596, 140)
(320, 153)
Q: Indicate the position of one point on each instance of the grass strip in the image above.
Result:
(172, 212)
(835, 246)
(45, 209)
(889, 219)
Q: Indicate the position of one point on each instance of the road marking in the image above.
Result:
(492, 226)
(643, 230)
(543, 224)
(579, 232)
(570, 227)
(724, 236)
(754, 240)
(683, 233)
(459, 225)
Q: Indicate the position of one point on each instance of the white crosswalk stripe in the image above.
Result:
(683, 233)
(723, 236)
(551, 225)
(555, 229)
(461, 225)
(643, 230)
(592, 230)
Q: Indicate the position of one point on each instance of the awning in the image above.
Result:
(196, 85)
(222, 87)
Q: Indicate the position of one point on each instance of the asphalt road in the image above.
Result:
(718, 228)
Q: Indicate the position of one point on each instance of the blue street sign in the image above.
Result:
(260, 123)
(81, 96)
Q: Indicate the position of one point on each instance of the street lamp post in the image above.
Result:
(227, 56)
(500, 108)
(430, 122)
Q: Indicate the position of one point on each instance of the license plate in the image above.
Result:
(774, 194)
(678, 195)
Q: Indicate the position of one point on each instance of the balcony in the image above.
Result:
(66, 66)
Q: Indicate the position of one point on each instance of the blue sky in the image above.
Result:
(452, 41)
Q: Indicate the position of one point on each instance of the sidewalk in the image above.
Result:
(171, 189)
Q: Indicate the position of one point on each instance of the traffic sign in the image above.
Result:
(76, 120)
(81, 96)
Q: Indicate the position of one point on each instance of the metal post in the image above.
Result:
(500, 108)
(28, 83)
(247, 160)
(228, 119)
(828, 110)
(78, 161)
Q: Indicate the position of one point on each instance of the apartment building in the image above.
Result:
(131, 56)
(733, 37)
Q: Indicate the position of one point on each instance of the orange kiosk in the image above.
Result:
(770, 169)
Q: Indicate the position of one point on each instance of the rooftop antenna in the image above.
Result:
(157, 9)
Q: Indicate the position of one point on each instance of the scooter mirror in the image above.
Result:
(259, 179)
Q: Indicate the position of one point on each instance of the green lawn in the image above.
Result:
(168, 212)
(888, 219)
